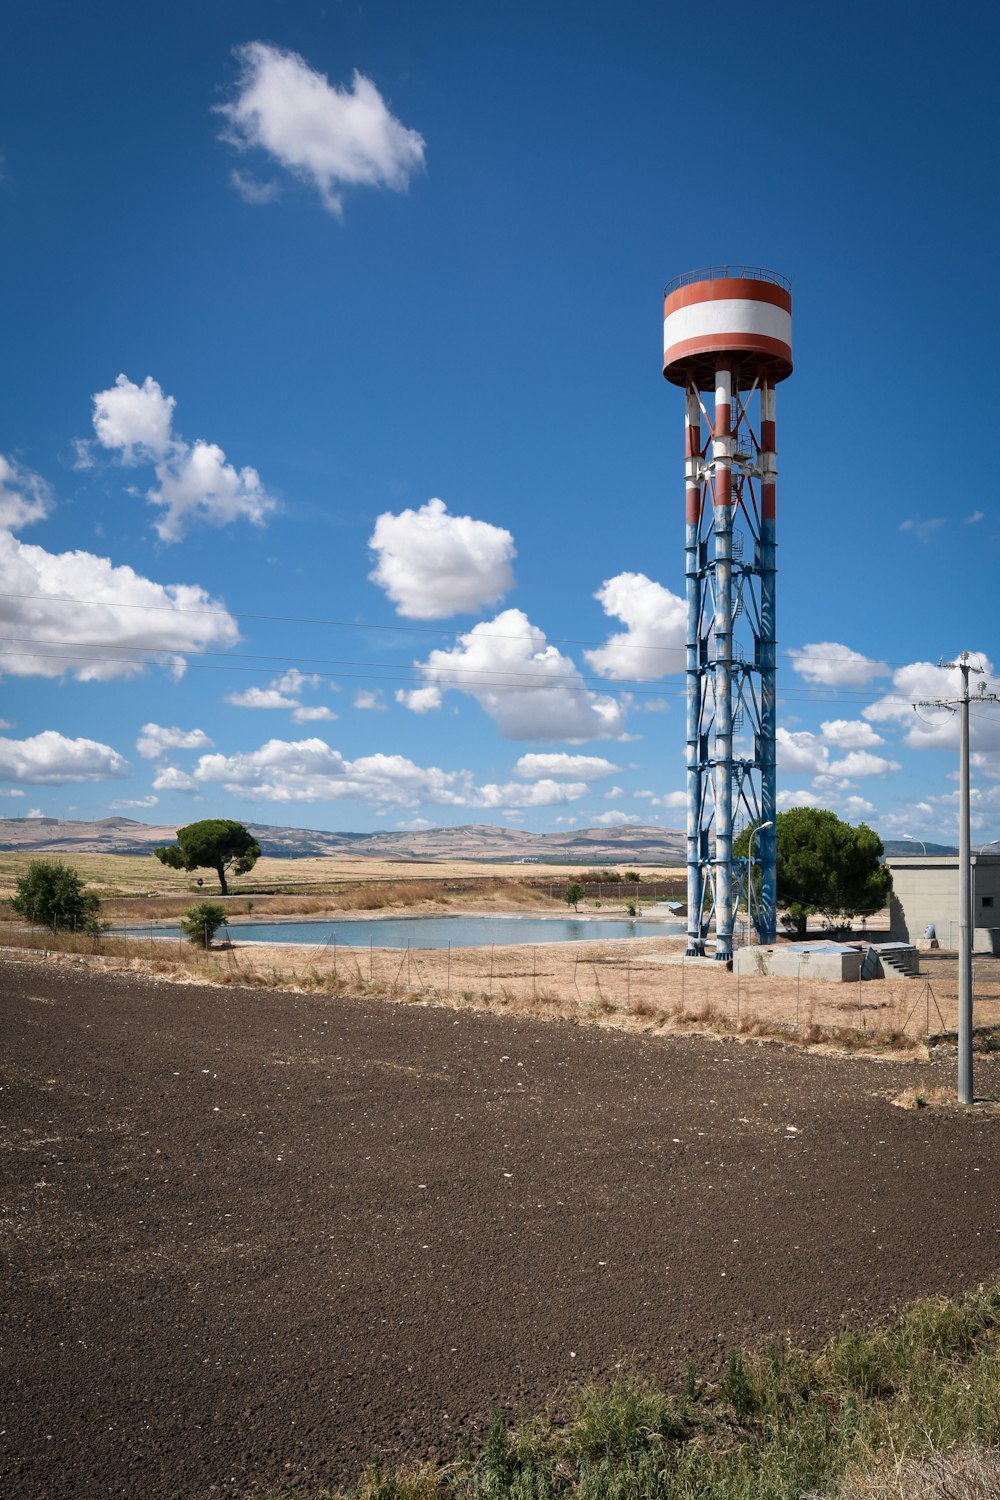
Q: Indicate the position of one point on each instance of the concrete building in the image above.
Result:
(925, 892)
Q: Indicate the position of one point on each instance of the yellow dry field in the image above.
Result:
(142, 874)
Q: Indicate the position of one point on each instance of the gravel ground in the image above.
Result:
(255, 1237)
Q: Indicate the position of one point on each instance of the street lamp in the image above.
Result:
(753, 832)
(910, 839)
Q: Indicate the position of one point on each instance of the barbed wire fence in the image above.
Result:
(569, 980)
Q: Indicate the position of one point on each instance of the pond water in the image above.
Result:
(436, 932)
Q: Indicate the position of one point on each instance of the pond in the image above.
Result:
(436, 932)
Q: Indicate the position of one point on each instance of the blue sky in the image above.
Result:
(339, 483)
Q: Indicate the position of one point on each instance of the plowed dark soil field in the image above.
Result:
(252, 1238)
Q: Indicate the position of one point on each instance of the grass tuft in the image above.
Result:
(909, 1411)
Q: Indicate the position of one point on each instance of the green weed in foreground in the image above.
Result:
(853, 1420)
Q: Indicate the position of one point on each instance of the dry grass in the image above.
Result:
(139, 874)
(968, 1472)
(641, 985)
(634, 984)
(924, 1098)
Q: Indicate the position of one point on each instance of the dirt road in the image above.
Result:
(255, 1237)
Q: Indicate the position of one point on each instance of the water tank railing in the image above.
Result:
(725, 273)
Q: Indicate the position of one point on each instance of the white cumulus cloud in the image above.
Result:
(283, 692)
(862, 763)
(306, 713)
(129, 802)
(135, 420)
(310, 770)
(829, 664)
(528, 688)
(370, 700)
(257, 697)
(800, 751)
(850, 734)
(199, 485)
(156, 739)
(78, 613)
(785, 800)
(856, 807)
(558, 763)
(173, 779)
(653, 643)
(331, 137)
(433, 565)
(194, 481)
(24, 496)
(50, 759)
(932, 728)
(515, 794)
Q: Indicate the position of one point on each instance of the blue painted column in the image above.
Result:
(694, 582)
(722, 457)
(767, 749)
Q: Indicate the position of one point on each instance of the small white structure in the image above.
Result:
(925, 895)
(841, 962)
(821, 960)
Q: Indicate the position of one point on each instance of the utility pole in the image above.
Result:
(966, 1094)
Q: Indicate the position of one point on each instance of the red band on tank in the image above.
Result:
(723, 487)
(692, 446)
(739, 289)
(767, 436)
(692, 507)
(767, 502)
(707, 343)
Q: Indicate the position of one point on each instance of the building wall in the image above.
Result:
(925, 890)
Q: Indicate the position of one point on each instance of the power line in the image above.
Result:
(97, 654)
(424, 630)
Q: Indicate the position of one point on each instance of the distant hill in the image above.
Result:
(900, 848)
(474, 841)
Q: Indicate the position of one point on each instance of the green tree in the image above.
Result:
(52, 893)
(574, 894)
(215, 844)
(825, 866)
(200, 923)
(633, 875)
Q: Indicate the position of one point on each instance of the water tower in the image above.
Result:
(727, 340)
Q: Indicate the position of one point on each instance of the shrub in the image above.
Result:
(52, 893)
(574, 894)
(200, 923)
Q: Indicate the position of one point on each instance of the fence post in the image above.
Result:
(448, 980)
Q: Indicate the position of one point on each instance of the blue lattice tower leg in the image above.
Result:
(767, 649)
(694, 578)
(722, 870)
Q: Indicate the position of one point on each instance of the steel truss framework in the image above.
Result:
(731, 655)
